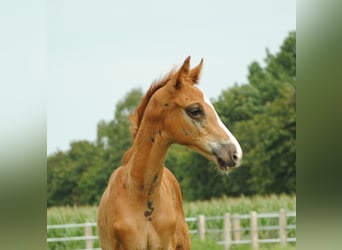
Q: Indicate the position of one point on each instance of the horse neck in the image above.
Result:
(147, 162)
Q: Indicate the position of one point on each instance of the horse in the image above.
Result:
(141, 208)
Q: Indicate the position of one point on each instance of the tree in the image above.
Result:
(260, 113)
(273, 157)
(59, 185)
(178, 160)
(80, 175)
(113, 139)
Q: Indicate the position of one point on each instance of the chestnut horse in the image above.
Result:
(141, 207)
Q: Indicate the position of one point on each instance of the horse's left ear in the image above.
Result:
(196, 72)
(182, 72)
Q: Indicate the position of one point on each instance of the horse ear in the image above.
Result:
(182, 72)
(196, 72)
(185, 67)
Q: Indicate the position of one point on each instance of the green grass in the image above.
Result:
(241, 205)
(198, 244)
(67, 214)
(261, 247)
(210, 244)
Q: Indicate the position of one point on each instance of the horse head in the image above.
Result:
(187, 117)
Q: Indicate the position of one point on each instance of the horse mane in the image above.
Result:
(137, 116)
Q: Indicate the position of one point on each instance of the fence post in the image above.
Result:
(227, 232)
(236, 227)
(201, 227)
(254, 230)
(88, 231)
(283, 227)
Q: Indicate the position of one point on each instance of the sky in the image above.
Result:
(97, 51)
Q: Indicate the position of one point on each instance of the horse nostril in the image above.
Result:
(235, 156)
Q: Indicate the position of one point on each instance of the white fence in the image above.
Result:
(252, 228)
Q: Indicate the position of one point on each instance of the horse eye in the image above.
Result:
(194, 111)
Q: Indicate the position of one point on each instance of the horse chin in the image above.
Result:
(224, 167)
(221, 166)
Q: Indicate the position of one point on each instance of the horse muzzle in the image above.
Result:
(227, 155)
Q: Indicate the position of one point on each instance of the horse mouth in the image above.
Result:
(224, 160)
(223, 165)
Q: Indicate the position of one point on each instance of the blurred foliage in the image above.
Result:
(260, 113)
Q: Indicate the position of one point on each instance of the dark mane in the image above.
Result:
(138, 114)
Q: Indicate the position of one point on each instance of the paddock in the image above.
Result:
(227, 230)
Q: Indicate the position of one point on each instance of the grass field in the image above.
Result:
(241, 205)
(210, 244)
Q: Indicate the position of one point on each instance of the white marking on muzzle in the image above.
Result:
(229, 134)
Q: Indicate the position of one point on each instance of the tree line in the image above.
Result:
(260, 113)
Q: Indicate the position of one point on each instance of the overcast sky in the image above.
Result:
(97, 51)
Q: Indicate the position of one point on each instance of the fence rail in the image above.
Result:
(233, 231)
